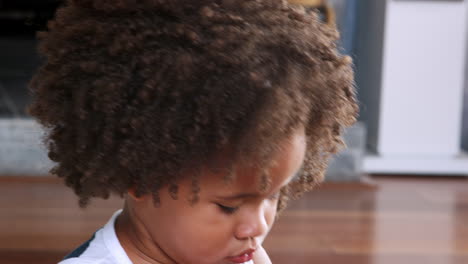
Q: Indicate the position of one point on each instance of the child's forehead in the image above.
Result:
(285, 165)
(246, 184)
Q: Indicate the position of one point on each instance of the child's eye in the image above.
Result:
(227, 209)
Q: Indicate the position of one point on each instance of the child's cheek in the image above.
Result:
(205, 240)
(270, 216)
(211, 224)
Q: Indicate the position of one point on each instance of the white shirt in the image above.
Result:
(103, 248)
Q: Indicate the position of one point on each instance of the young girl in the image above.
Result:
(206, 116)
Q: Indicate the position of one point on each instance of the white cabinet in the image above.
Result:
(411, 60)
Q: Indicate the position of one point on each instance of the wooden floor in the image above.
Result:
(391, 220)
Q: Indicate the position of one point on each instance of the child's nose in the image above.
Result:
(252, 225)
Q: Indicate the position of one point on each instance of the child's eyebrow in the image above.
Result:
(239, 196)
(251, 195)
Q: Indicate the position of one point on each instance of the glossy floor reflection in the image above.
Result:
(395, 220)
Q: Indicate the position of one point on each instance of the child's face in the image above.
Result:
(227, 220)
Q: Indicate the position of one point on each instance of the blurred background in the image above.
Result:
(397, 194)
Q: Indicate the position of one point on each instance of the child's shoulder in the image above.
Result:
(88, 260)
(92, 251)
(81, 261)
(102, 248)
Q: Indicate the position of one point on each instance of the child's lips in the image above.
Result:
(245, 256)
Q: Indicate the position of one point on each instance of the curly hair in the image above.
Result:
(135, 92)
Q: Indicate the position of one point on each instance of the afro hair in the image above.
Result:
(135, 92)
